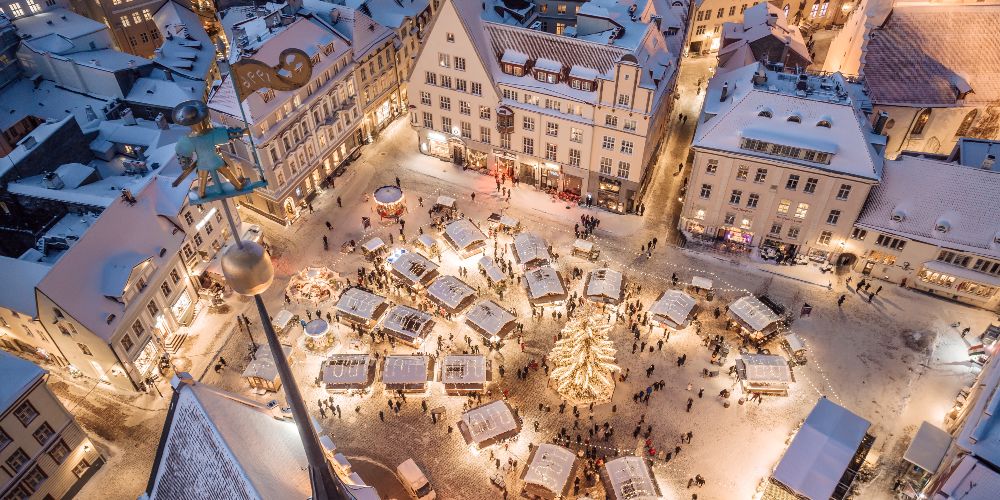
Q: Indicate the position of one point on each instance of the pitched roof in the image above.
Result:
(21, 277)
(17, 375)
(922, 51)
(187, 49)
(927, 193)
(539, 44)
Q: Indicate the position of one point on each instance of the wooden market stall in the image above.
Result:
(489, 424)
(407, 372)
(465, 373)
(360, 307)
(544, 286)
(673, 309)
(261, 373)
(549, 472)
(344, 372)
(629, 478)
(605, 286)
(530, 250)
(451, 294)
(491, 320)
(413, 270)
(410, 326)
(764, 374)
(465, 238)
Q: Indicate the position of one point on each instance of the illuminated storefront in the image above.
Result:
(182, 309)
(148, 359)
(609, 194)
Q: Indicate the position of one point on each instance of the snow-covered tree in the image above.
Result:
(584, 359)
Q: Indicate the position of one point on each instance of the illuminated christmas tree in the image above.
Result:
(584, 359)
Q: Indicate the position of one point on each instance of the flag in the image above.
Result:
(977, 350)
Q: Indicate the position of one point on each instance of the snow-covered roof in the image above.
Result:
(445, 201)
(489, 318)
(493, 271)
(766, 368)
(740, 116)
(400, 369)
(529, 248)
(186, 48)
(606, 284)
(262, 366)
(356, 25)
(465, 369)
(373, 244)
(753, 313)
(18, 376)
(583, 73)
(980, 434)
(355, 370)
(409, 323)
(544, 283)
(927, 195)
(761, 21)
(511, 56)
(427, 241)
(361, 304)
(673, 305)
(450, 292)
(462, 234)
(928, 447)
(20, 278)
(971, 479)
(490, 422)
(548, 65)
(630, 478)
(46, 100)
(550, 468)
(414, 268)
(209, 431)
(701, 282)
(821, 450)
(392, 13)
(67, 24)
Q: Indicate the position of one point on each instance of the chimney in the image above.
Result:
(29, 142)
(127, 117)
(880, 122)
(725, 92)
(91, 114)
(161, 122)
(988, 162)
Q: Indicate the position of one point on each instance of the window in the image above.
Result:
(720, 12)
(700, 30)
(712, 167)
(126, 342)
(43, 433)
(84, 349)
(428, 120)
(575, 134)
(445, 82)
(445, 103)
(963, 128)
(624, 99)
(608, 143)
(81, 468)
(552, 129)
(25, 413)
(460, 63)
(17, 12)
(463, 108)
(760, 176)
(844, 192)
(890, 242)
(165, 288)
(550, 151)
(450, 37)
(188, 218)
(825, 237)
(461, 85)
(484, 135)
(801, 210)
(627, 147)
(793, 232)
(833, 217)
(729, 219)
(611, 120)
(477, 88)
(574, 157)
(505, 141)
(33, 479)
(706, 191)
(137, 17)
(741, 172)
(485, 113)
(792, 183)
(152, 309)
(561, 8)
(810, 186)
(17, 460)
(700, 15)
(752, 200)
(981, 265)
(775, 229)
(528, 124)
(446, 124)
(630, 125)
(430, 78)
(623, 168)
(921, 122)
(59, 451)
(783, 206)
(529, 145)
(425, 98)
(606, 166)
(732, 10)
(954, 258)
(735, 196)
(859, 234)
(814, 10)
(197, 236)
(444, 60)
(467, 130)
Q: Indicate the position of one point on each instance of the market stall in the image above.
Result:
(465, 373)
(282, 320)
(465, 238)
(372, 248)
(343, 372)
(493, 273)
(544, 286)
(261, 373)
(795, 347)
(312, 284)
(427, 246)
(389, 202)
(629, 478)
(407, 372)
(413, 270)
(585, 249)
(548, 473)
(673, 309)
(360, 307)
(451, 294)
(605, 286)
(407, 324)
(491, 320)
(530, 250)
(504, 223)
(488, 424)
(764, 374)
(445, 205)
(925, 453)
(754, 317)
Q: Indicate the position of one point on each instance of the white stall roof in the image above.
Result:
(493, 271)
(971, 480)
(463, 234)
(346, 369)
(489, 421)
(407, 322)
(282, 318)
(426, 240)
(489, 317)
(821, 451)
(674, 305)
(373, 244)
(263, 365)
(583, 246)
(703, 283)
(360, 303)
(794, 342)
(508, 221)
(605, 283)
(414, 267)
(766, 368)
(445, 201)
(754, 313)
(544, 282)
(529, 247)
(630, 478)
(450, 291)
(405, 369)
(550, 467)
(928, 447)
(464, 369)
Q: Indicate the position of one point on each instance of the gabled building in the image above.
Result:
(575, 114)
(764, 35)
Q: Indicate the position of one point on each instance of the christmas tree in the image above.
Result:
(584, 359)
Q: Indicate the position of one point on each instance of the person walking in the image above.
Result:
(690, 403)
(840, 301)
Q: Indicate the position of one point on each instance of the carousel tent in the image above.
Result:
(753, 314)
(490, 319)
(490, 423)
(531, 250)
(464, 237)
(414, 269)
(451, 294)
(549, 470)
(348, 371)
(465, 372)
(261, 373)
(605, 285)
(407, 324)
(766, 373)
(361, 306)
(629, 478)
(493, 272)
(544, 285)
(674, 309)
(406, 372)
(821, 451)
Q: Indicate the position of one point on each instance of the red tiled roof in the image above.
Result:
(569, 51)
(915, 57)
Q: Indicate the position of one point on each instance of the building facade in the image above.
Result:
(782, 162)
(705, 32)
(579, 117)
(555, 16)
(45, 452)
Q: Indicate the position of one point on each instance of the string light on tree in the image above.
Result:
(584, 359)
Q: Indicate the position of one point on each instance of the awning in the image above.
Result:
(928, 447)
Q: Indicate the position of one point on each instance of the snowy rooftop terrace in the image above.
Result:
(489, 318)
(59, 238)
(486, 424)
(451, 293)
(629, 478)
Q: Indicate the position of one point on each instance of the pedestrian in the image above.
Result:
(690, 402)
(381, 415)
(964, 332)
(473, 196)
(701, 392)
(329, 227)
(840, 301)
(397, 181)
(871, 295)
(879, 289)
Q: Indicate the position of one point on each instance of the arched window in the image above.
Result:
(921, 121)
(967, 122)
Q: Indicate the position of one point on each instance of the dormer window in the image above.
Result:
(514, 62)
(545, 76)
(585, 85)
(547, 70)
(795, 118)
(513, 69)
(766, 113)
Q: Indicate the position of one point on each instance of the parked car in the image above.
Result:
(415, 481)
